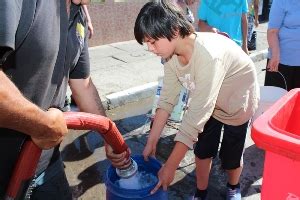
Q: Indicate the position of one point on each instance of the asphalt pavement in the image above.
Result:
(126, 76)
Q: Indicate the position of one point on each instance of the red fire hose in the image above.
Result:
(27, 162)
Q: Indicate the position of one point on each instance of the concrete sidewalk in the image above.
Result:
(126, 72)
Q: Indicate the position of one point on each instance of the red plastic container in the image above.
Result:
(277, 131)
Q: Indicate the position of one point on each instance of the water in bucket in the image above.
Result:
(140, 180)
(139, 186)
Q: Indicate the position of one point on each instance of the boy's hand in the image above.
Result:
(150, 148)
(167, 172)
(165, 177)
(119, 161)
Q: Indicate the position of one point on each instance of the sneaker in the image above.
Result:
(233, 194)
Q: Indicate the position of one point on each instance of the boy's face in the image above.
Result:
(161, 47)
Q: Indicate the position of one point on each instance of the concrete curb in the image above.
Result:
(148, 90)
(259, 56)
(131, 95)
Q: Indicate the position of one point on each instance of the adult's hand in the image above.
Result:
(91, 29)
(273, 63)
(88, 20)
(54, 131)
(119, 161)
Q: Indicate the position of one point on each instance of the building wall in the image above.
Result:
(113, 20)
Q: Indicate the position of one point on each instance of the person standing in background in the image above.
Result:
(228, 16)
(184, 4)
(284, 44)
(252, 20)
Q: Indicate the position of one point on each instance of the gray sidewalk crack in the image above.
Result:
(118, 59)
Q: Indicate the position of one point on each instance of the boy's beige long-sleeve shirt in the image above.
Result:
(222, 83)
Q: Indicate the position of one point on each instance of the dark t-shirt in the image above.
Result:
(77, 55)
(77, 51)
(38, 34)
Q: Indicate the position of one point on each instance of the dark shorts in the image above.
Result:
(291, 75)
(232, 144)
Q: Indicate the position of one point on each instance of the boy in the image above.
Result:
(223, 91)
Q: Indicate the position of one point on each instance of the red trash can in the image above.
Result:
(277, 131)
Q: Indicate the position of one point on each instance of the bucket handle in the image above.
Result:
(283, 78)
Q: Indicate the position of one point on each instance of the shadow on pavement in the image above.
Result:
(82, 147)
(90, 177)
(130, 124)
(253, 171)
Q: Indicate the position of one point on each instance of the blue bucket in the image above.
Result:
(114, 192)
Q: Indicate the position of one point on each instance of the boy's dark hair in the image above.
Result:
(161, 20)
